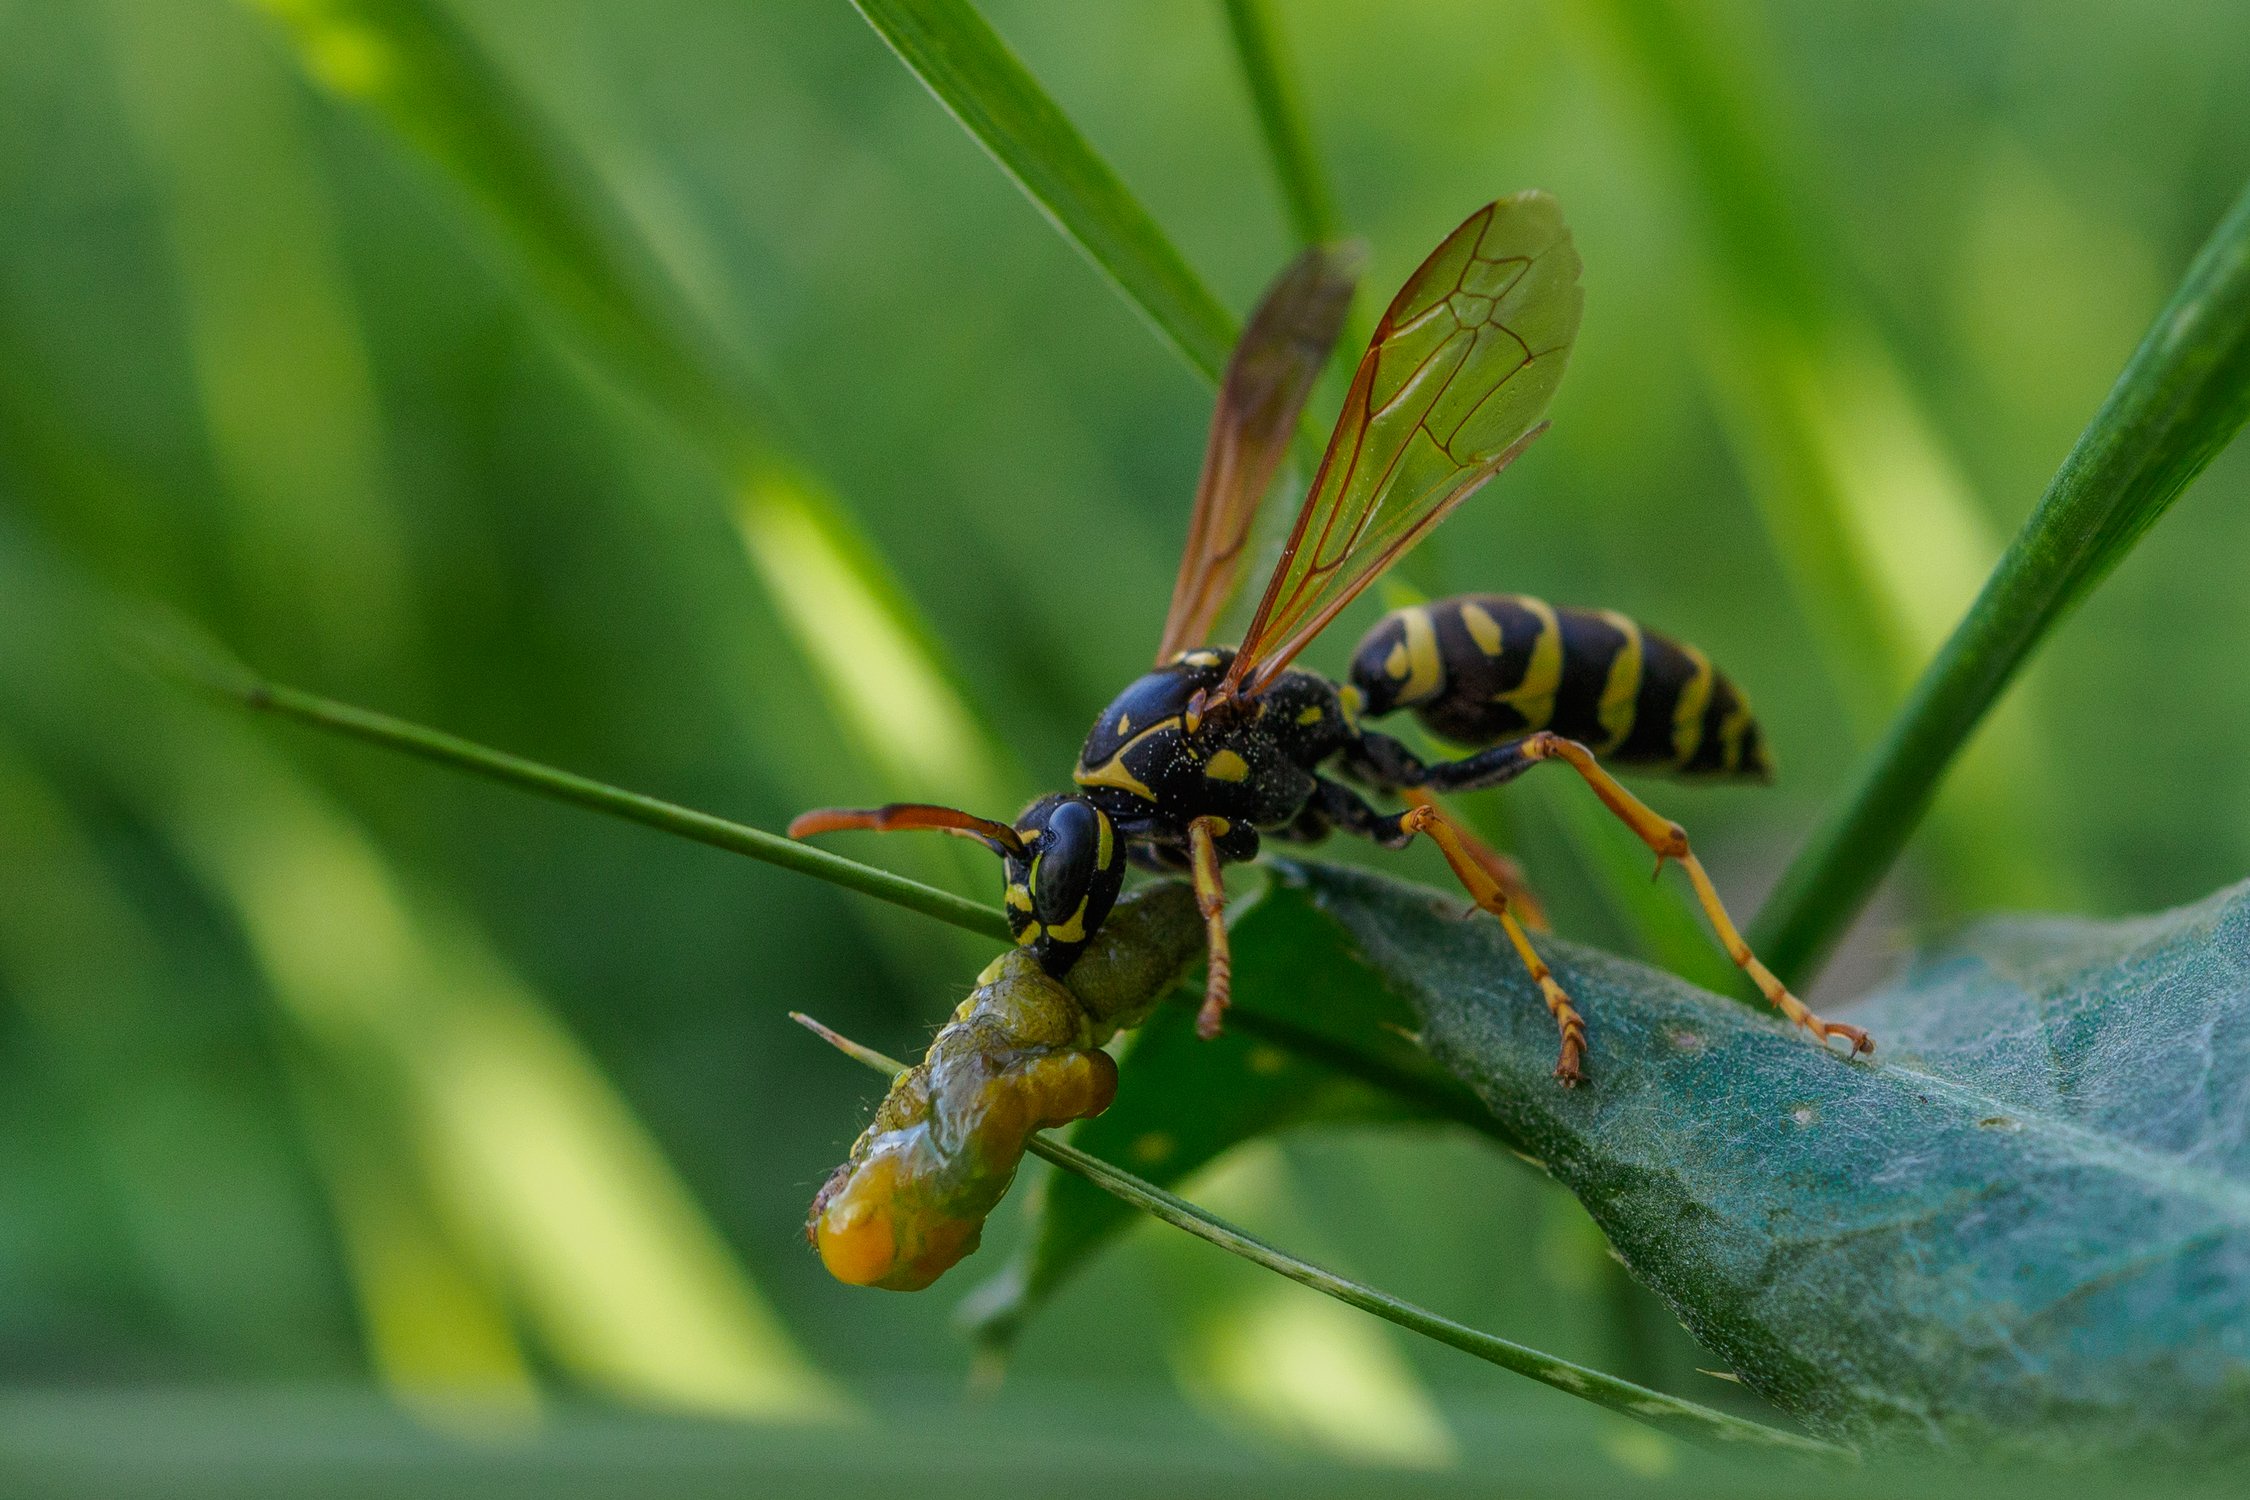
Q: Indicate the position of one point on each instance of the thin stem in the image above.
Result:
(856, 1051)
(237, 685)
(1682, 1419)
(2180, 400)
(1281, 117)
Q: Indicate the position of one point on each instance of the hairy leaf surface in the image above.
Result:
(2026, 1225)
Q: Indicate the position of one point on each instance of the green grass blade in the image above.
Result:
(1881, 537)
(541, 211)
(1883, 541)
(1669, 1414)
(959, 57)
(237, 685)
(409, 63)
(532, 1159)
(1281, 119)
(282, 369)
(2180, 400)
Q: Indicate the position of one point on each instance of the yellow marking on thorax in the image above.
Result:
(1031, 933)
(1415, 658)
(1623, 689)
(1227, 766)
(1732, 728)
(1349, 699)
(1124, 723)
(1019, 897)
(1687, 714)
(1483, 629)
(1311, 715)
(1112, 772)
(1198, 658)
(1534, 697)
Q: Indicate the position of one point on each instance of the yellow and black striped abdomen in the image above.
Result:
(1479, 669)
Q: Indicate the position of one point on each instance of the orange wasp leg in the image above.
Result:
(1211, 901)
(1458, 846)
(1505, 872)
(1669, 841)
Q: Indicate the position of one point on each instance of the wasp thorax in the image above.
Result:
(1150, 706)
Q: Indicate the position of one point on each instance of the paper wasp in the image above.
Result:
(1198, 762)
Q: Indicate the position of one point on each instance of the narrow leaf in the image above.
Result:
(533, 1157)
(1281, 119)
(959, 57)
(2181, 399)
(549, 1189)
(1883, 540)
(541, 212)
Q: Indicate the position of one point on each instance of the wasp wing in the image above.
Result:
(1273, 368)
(1453, 385)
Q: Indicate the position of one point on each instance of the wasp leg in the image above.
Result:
(1211, 901)
(1505, 872)
(1662, 835)
(1381, 761)
(1459, 846)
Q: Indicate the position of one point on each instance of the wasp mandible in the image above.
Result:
(1216, 750)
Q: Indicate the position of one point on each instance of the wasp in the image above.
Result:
(1218, 749)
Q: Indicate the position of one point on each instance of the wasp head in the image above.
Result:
(1063, 882)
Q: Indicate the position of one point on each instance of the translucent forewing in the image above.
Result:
(1280, 355)
(1453, 385)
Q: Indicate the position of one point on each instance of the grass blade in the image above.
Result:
(1883, 541)
(494, 1139)
(961, 60)
(1669, 1414)
(1281, 118)
(542, 211)
(236, 684)
(2180, 400)
(263, 286)
(530, 1156)
(1881, 537)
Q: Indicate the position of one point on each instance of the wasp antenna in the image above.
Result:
(897, 817)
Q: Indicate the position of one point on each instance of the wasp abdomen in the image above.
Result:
(1479, 669)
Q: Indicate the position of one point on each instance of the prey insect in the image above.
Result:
(1218, 749)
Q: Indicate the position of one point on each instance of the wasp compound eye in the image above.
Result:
(1063, 866)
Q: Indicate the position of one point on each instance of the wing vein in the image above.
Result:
(1475, 370)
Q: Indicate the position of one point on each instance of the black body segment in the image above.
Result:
(1482, 669)
(1154, 761)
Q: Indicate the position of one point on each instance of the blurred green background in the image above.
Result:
(323, 1074)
